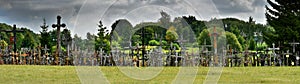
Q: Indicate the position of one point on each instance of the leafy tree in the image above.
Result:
(204, 38)
(171, 34)
(3, 44)
(233, 41)
(29, 41)
(284, 16)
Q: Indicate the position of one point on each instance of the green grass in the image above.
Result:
(67, 74)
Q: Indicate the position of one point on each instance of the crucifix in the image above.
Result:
(58, 25)
(273, 49)
(14, 31)
(215, 34)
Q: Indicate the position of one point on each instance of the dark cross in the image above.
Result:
(143, 45)
(58, 25)
(294, 44)
(14, 31)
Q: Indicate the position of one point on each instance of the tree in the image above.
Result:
(165, 19)
(204, 37)
(233, 42)
(3, 44)
(66, 37)
(101, 41)
(284, 16)
(28, 41)
(171, 34)
(45, 38)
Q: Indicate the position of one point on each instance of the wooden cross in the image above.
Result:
(14, 31)
(58, 25)
(215, 34)
(143, 45)
(294, 44)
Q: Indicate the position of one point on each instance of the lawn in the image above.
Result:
(67, 74)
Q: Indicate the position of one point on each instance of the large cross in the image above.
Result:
(143, 46)
(215, 34)
(14, 31)
(58, 25)
(294, 44)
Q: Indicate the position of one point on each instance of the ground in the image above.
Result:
(67, 74)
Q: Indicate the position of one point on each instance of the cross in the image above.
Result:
(215, 34)
(14, 31)
(45, 49)
(294, 44)
(58, 25)
(273, 49)
(131, 48)
(181, 43)
(143, 46)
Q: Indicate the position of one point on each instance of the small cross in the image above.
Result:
(294, 44)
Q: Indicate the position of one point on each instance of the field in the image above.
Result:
(11, 74)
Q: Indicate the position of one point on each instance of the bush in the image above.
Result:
(153, 43)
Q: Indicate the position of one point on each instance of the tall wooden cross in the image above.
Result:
(143, 45)
(14, 31)
(215, 34)
(58, 25)
(294, 44)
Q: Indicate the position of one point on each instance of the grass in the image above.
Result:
(11, 74)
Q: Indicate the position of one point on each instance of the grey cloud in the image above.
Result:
(238, 6)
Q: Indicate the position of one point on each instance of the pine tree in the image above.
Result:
(102, 40)
(45, 35)
(284, 16)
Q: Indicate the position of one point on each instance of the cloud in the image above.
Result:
(82, 16)
(238, 6)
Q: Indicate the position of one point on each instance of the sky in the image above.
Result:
(82, 16)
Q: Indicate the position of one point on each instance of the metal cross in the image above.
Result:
(294, 44)
(273, 49)
(58, 25)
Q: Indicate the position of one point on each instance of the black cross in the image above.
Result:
(14, 31)
(143, 45)
(58, 25)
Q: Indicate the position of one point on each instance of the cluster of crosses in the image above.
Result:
(146, 58)
(13, 57)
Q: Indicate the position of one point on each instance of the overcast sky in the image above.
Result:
(82, 16)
